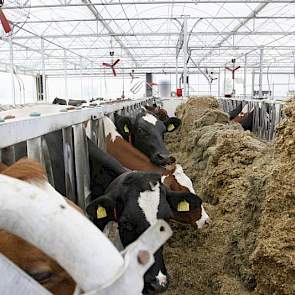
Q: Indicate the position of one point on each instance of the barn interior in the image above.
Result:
(226, 69)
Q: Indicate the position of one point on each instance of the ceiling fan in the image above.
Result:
(112, 66)
(13, 21)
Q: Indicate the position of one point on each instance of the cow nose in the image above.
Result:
(155, 287)
(204, 221)
(163, 159)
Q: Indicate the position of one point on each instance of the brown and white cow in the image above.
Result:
(174, 177)
(29, 258)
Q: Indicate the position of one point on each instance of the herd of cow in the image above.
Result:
(134, 183)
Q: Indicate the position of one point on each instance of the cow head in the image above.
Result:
(187, 208)
(35, 263)
(194, 213)
(146, 133)
(136, 200)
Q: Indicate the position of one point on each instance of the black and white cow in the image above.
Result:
(146, 133)
(137, 200)
(134, 199)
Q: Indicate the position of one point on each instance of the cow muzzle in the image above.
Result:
(162, 159)
(159, 285)
(204, 221)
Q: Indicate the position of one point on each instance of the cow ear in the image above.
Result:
(183, 201)
(124, 126)
(172, 124)
(101, 208)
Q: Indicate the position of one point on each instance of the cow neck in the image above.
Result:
(130, 139)
(26, 170)
(114, 183)
(129, 156)
(2, 167)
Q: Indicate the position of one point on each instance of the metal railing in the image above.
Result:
(31, 130)
(267, 114)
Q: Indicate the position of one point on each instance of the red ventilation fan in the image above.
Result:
(112, 66)
(233, 69)
(4, 21)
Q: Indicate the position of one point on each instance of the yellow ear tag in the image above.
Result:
(183, 206)
(170, 127)
(126, 129)
(101, 213)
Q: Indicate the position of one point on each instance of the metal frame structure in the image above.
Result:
(73, 37)
(267, 114)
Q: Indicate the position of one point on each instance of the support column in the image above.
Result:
(219, 72)
(253, 83)
(260, 72)
(149, 81)
(81, 79)
(66, 75)
(176, 72)
(245, 76)
(11, 70)
(224, 80)
(185, 57)
(92, 88)
(44, 88)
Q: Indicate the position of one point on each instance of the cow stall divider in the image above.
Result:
(123, 272)
(267, 114)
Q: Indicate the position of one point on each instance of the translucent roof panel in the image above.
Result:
(79, 35)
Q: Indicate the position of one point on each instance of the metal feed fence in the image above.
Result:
(72, 123)
(267, 114)
(31, 131)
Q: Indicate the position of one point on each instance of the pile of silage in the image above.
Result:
(232, 171)
(274, 256)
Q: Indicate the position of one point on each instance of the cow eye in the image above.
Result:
(41, 277)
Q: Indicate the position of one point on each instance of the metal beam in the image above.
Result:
(138, 34)
(154, 18)
(99, 17)
(36, 36)
(171, 66)
(119, 3)
(192, 48)
(238, 27)
(120, 76)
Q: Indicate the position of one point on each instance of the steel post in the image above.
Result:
(185, 57)
(260, 72)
